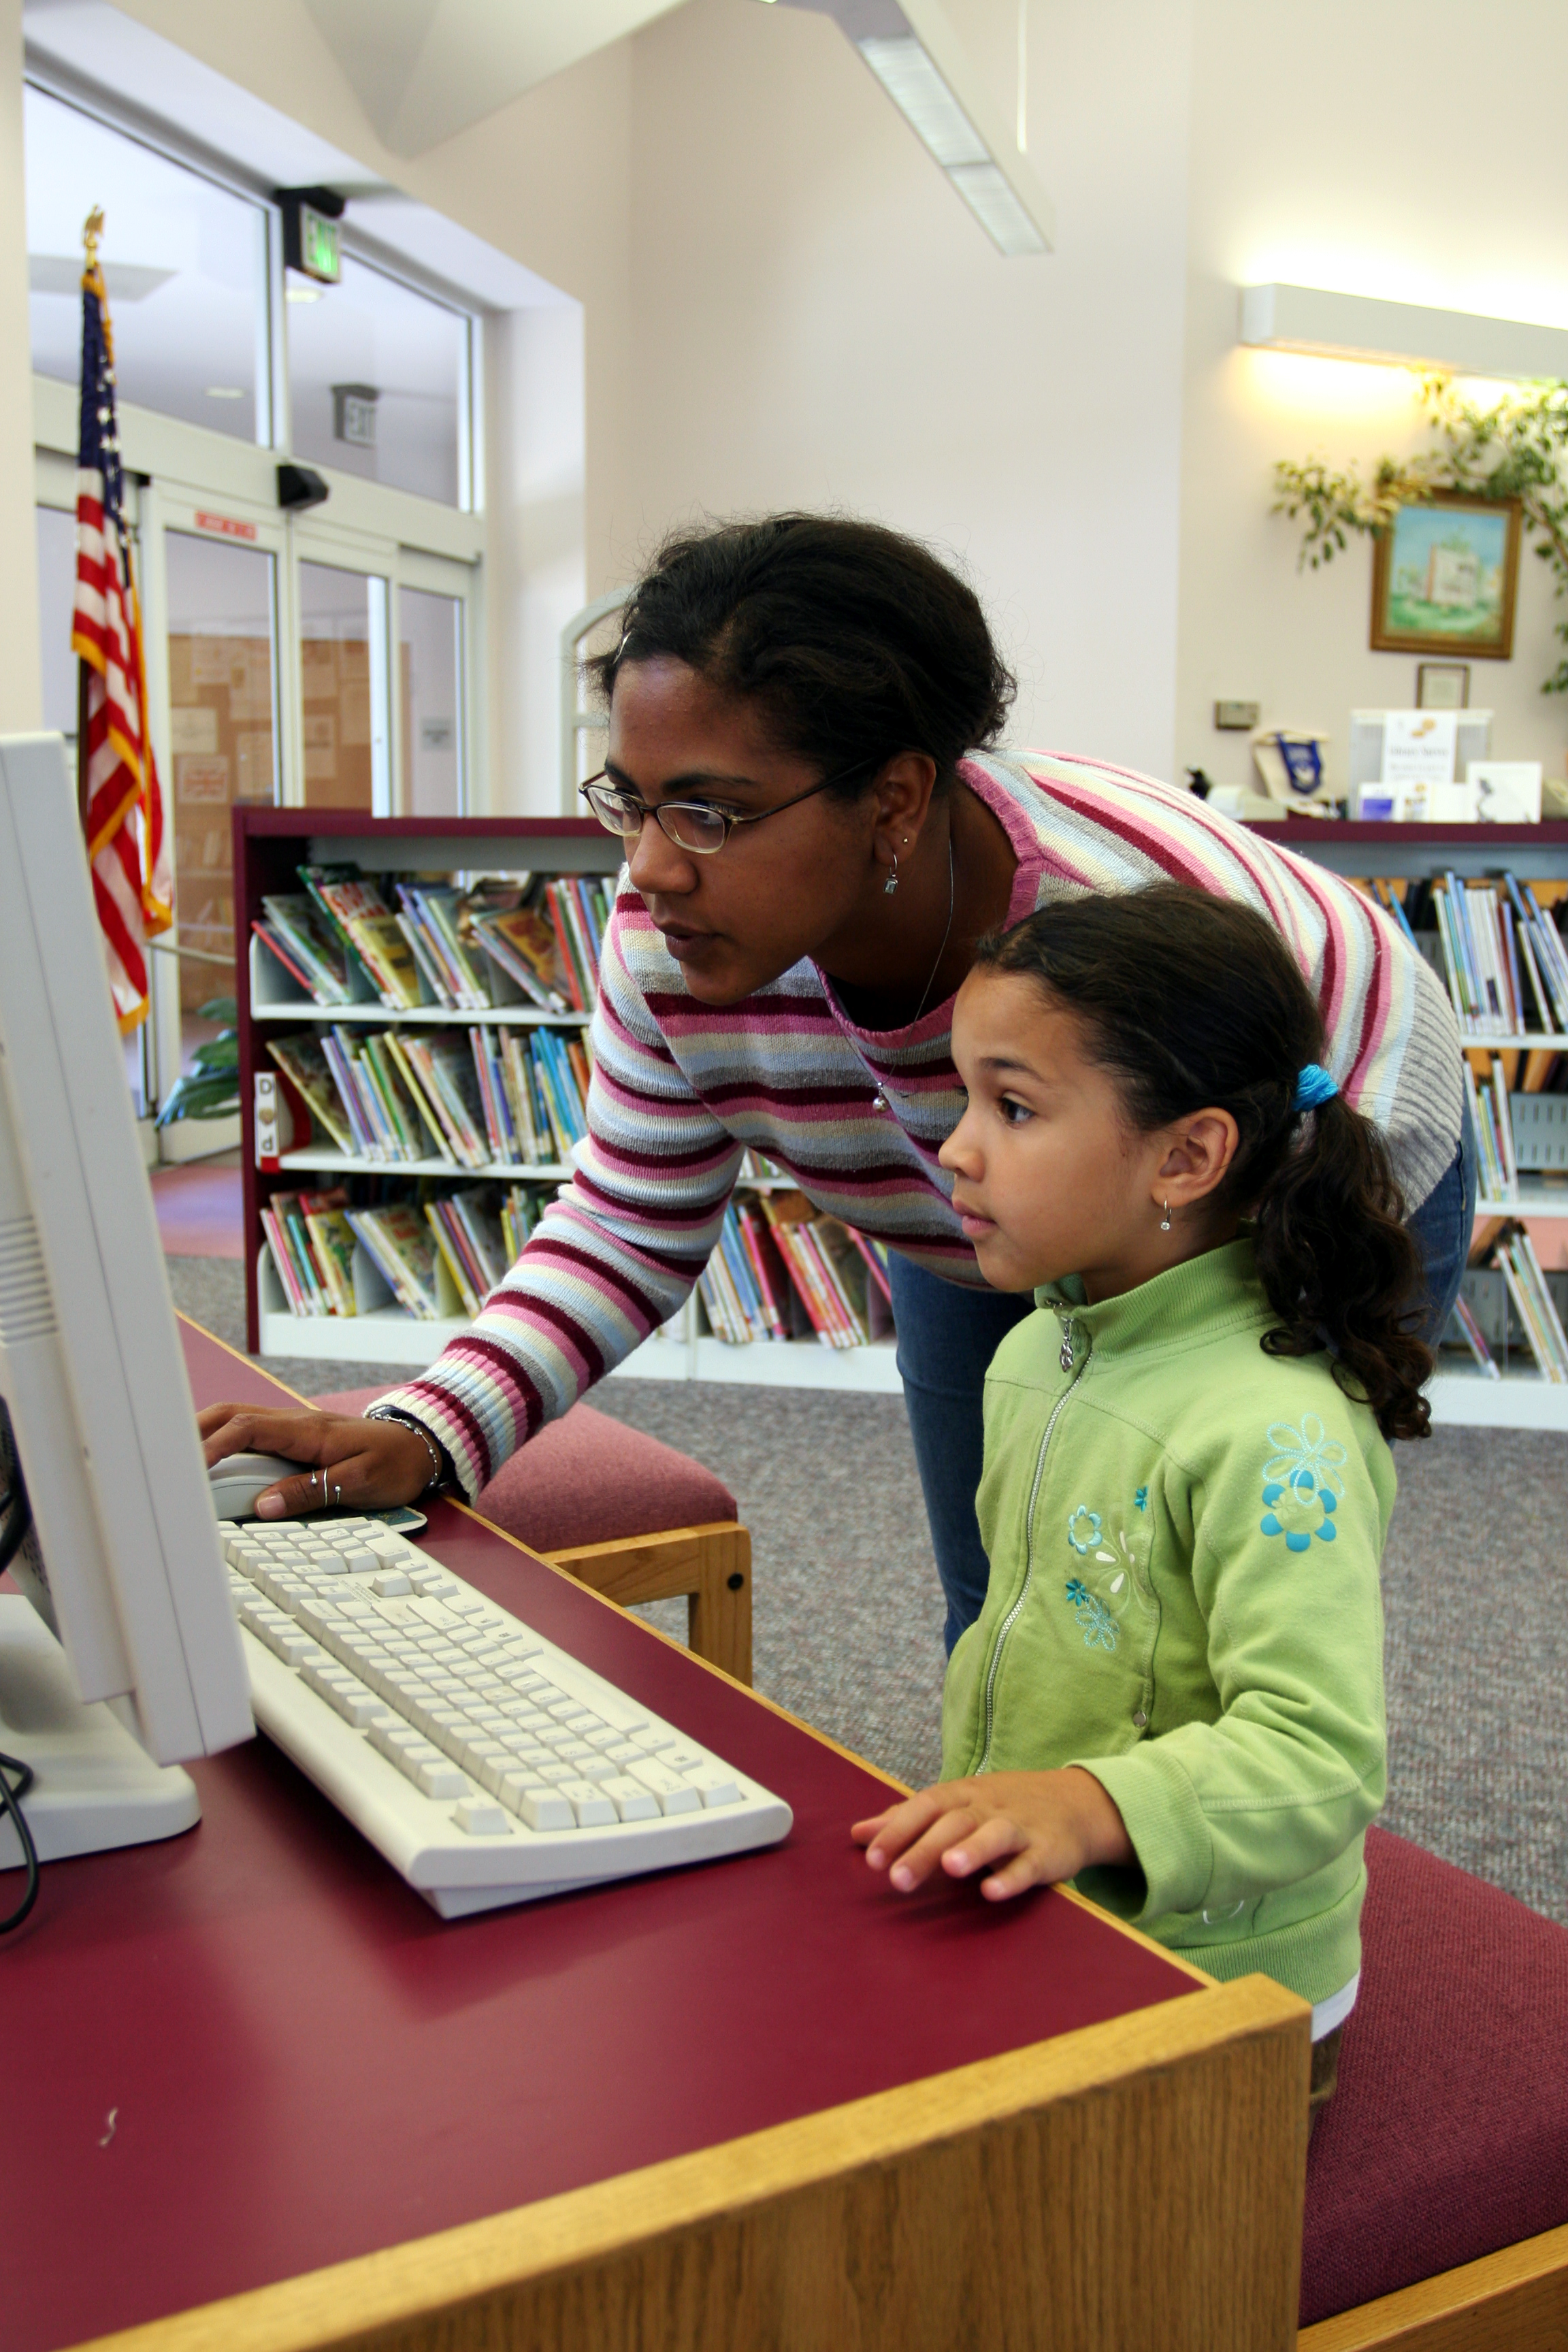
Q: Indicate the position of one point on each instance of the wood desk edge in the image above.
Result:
(403, 2285)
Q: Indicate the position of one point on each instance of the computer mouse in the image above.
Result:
(236, 1482)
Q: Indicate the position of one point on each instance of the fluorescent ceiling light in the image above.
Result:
(916, 56)
(1403, 334)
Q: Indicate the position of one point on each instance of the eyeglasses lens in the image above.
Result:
(616, 811)
(699, 829)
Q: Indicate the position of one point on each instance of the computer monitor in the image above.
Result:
(128, 1659)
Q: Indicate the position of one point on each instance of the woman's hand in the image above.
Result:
(1043, 1826)
(367, 1464)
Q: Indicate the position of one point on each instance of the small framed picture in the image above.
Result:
(1442, 686)
(1444, 578)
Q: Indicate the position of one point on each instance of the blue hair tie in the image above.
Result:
(1314, 1087)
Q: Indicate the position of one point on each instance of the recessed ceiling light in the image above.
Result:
(302, 294)
(226, 392)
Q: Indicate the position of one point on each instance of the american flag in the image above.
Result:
(132, 878)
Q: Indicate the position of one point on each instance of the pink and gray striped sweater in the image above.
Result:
(680, 1091)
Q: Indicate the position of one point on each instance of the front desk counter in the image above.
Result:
(259, 2098)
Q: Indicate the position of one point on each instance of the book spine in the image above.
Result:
(562, 941)
(283, 1263)
(875, 1266)
(436, 1218)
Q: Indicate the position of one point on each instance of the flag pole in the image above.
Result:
(92, 231)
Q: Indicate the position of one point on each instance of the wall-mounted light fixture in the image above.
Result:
(1400, 334)
(920, 62)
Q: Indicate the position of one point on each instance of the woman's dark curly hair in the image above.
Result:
(854, 642)
(1190, 1002)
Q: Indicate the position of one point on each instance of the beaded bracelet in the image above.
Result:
(441, 1472)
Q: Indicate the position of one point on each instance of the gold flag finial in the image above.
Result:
(92, 230)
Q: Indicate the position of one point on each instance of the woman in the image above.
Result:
(815, 846)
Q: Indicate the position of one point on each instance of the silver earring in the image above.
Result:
(1165, 1220)
(891, 884)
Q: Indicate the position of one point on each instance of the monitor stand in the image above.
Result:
(94, 1787)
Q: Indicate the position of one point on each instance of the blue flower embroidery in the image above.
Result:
(1141, 1498)
(1083, 1529)
(1099, 1628)
(1308, 1448)
(1301, 1484)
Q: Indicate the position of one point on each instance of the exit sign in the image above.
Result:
(318, 251)
(312, 244)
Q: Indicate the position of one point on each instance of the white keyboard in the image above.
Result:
(487, 1765)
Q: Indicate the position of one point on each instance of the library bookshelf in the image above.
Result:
(1534, 854)
(269, 847)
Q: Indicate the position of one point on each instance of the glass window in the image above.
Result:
(430, 670)
(223, 741)
(343, 664)
(185, 262)
(378, 382)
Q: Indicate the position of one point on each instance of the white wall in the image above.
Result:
(818, 320)
(1328, 184)
(20, 684)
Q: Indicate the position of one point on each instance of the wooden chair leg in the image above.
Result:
(712, 1565)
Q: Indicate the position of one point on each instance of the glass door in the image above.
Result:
(346, 759)
(221, 634)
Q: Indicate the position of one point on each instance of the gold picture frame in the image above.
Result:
(1445, 578)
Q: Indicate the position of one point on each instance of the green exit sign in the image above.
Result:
(312, 244)
(319, 250)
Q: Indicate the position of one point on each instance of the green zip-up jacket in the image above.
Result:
(1184, 1537)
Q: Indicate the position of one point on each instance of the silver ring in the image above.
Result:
(336, 1496)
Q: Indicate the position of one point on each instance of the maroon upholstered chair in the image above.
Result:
(627, 1515)
(1446, 2141)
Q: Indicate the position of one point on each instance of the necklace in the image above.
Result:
(880, 1100)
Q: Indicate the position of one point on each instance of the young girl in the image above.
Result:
(1173, 1695)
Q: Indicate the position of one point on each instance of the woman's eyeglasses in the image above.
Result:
(690, 825)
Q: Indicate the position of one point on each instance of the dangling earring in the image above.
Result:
(1165, 1220)
(891, 884)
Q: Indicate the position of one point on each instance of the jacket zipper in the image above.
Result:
(1011, 1618)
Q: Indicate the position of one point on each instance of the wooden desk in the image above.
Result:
(252, 2080)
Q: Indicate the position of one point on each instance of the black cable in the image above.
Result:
(9, 1805)
(18, 1510)
(17, 1520)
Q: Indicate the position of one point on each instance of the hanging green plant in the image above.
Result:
(1518, 449)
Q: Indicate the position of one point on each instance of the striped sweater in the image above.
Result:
(680, 1091)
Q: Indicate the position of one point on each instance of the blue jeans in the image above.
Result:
(947, 1337)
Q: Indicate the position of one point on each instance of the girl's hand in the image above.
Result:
(367, 1464)
(1042, 1826)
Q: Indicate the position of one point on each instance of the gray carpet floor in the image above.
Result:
(848, 1621)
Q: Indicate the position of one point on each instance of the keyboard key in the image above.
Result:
(544, 1808)
(480, 1818)
(714, 1786)
(390, 1581)
(674, 1794)
(440, 1777)
(593, 1807)
(684, 1760)
(631, 1801)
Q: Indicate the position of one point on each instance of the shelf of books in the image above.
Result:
(1485, 906)
(413, 1033)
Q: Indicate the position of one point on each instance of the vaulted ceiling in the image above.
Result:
(424, 69)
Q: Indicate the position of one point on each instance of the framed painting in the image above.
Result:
(1444, 578)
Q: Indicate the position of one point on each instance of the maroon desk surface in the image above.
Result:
(252, 2051)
